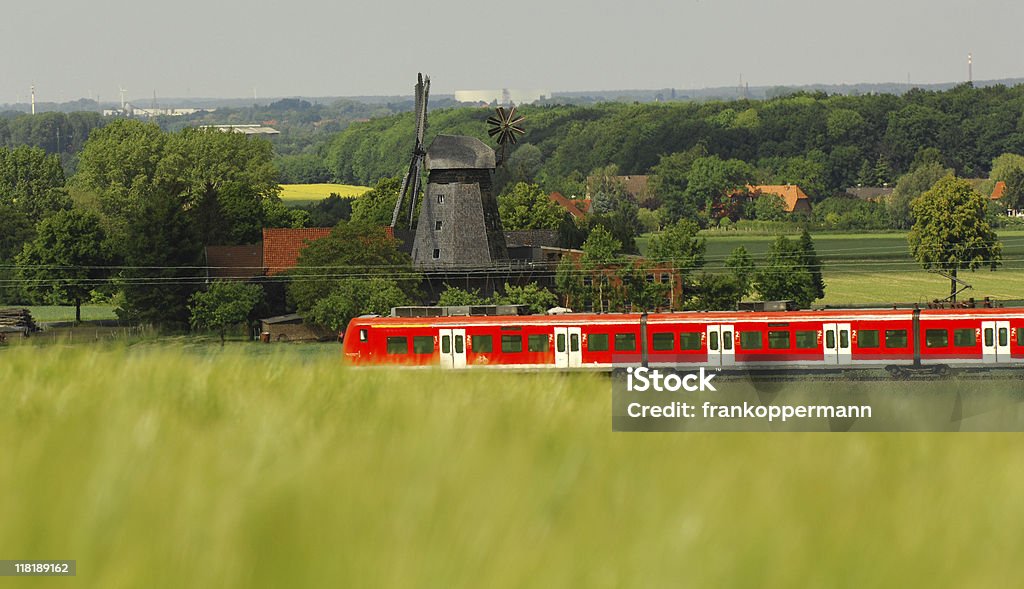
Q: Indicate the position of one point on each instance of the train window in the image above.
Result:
(691, 341)
(625, 342)
(990, 339)
(830, 339)
(844, 339)
(511, 344)
(726, 340)
(713, 342)
(460, 344)
(895, 338)
(663, 341)
(750, 340)
(362, 335)
(778, 340)
(537, 343)
(867, 338)
(482, 344)
(963, 338)
(1004, 337)
(560, 343)
(423, 344)
(806, 340)
(1020, 337)
(597, 342)
(574, 342)
(398, 345)
(446, 344)
(936, 338)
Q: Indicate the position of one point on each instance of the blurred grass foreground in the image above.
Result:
(163, 467)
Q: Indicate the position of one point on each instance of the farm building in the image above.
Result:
(291, 328)
(234, 262)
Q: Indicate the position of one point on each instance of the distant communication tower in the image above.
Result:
(32, 89)
(970, 67)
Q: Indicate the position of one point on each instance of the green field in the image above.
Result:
(862, 268)
(163, 467)
(54, 313)
(296, 194)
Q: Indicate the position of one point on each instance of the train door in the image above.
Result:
(453, 348)
(568, 353)
(837, 343)
(721, 351)
(995, 341)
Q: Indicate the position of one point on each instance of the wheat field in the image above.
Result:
(162, 466)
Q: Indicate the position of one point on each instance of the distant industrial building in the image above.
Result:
(133, 111)
(244, 129)
(503, 96)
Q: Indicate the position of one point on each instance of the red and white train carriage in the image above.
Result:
(893, 339)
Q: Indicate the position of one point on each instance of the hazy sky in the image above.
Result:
(182, 48)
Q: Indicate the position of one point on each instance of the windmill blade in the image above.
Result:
(416, 174)
(411, 182)
(399, 201)
(423, 94)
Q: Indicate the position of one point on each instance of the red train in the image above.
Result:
(893, 339)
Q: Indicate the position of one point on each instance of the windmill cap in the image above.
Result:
(459, 152)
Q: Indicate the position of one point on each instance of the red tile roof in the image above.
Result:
(577, 207)
(234, 262)
(281, 247)
(791, 193)
(999, 190)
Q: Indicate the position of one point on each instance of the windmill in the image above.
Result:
(411, 182)
(504, 126)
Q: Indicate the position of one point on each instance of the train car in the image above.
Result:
(893, 339)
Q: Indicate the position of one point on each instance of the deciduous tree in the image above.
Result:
(223, 305)
(785, 275)
(526, 206)
(951, 231)
(67, 259)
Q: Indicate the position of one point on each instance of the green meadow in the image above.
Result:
(877, 268)
(170, 466)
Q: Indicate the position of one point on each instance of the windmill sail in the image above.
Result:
(411, 182)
